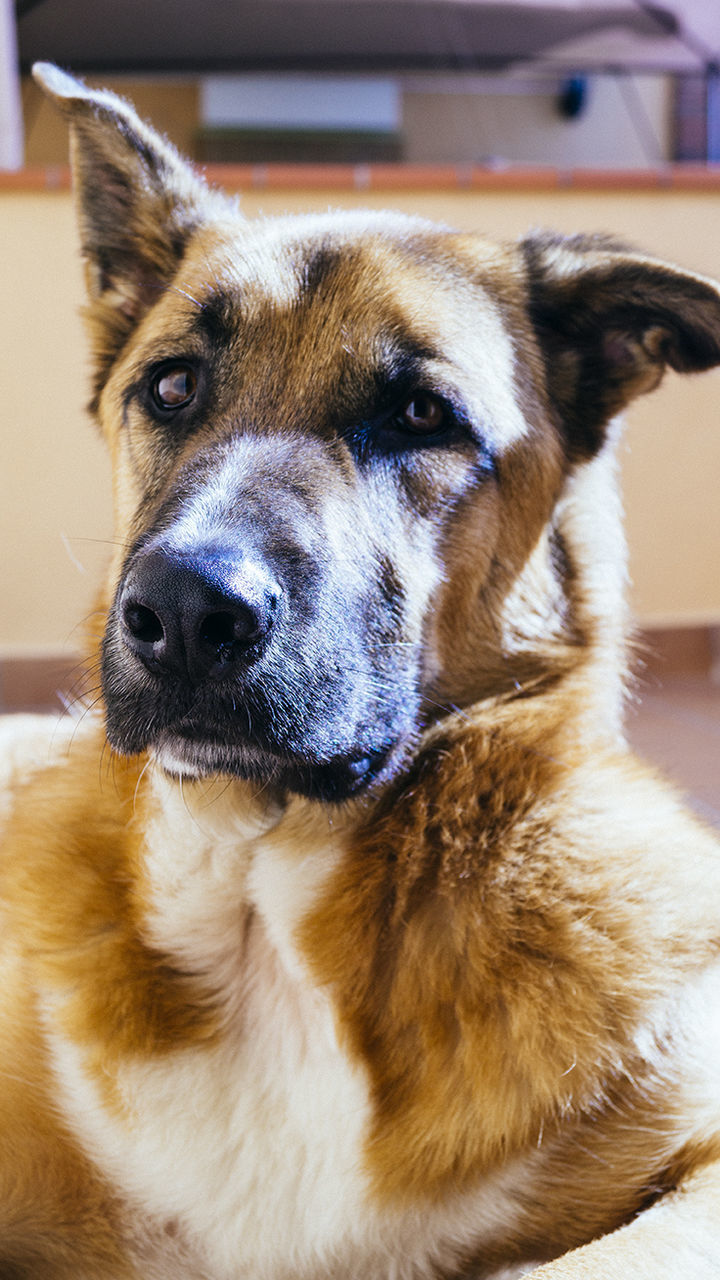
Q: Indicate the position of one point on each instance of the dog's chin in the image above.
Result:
(330, 781)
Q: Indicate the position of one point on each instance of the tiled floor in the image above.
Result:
(676, 725)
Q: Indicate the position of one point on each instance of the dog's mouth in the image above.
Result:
(325, 736)
(332, 780)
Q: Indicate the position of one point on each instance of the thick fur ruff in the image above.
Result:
(347, 938)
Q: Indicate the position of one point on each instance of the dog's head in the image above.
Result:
(343, 447)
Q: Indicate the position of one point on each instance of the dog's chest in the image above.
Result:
(244, 1161)
(245, 1147)
(245, 1157)
(250, 1147)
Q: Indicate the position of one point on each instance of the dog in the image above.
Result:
(349, 939)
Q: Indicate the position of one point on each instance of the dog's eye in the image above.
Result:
(174, 386)
(423, 415)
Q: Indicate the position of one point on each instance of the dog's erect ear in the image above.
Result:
(138, 204)
(609, 322)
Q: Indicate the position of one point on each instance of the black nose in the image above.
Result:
(197, 615)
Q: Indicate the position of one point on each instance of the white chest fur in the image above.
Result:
(243, 1160)
(250, 1145)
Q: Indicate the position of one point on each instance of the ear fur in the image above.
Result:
(138, 201)
(609, 322)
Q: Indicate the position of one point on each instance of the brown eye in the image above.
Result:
(174, 386)
(423, 415)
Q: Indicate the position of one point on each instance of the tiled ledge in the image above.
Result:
(396, 177)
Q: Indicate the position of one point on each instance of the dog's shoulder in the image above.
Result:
(548, 903)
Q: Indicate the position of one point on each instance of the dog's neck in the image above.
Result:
(560, 619)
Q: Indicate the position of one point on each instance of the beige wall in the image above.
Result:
(53, 478)
(55, 521)
(626, 123)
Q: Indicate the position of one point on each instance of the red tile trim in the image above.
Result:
(411, 177)
(31, 683)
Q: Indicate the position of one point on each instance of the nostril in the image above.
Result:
(142, 623)
(219, 629)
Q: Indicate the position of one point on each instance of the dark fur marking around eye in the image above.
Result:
(403, 361)
(216, 318)
(399, 370)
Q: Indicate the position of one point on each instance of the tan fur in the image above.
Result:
(461, 1020)
(77, 911)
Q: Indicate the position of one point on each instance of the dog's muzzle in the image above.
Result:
(224, 659)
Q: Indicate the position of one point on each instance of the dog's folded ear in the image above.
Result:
(609, 322)
(139, 202)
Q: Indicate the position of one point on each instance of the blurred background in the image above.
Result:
(612, 83)
(498, 117)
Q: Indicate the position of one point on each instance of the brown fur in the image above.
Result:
(485, 1040)
(511, 923)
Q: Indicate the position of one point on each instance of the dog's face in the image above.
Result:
(338, 445)
(306, 437)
